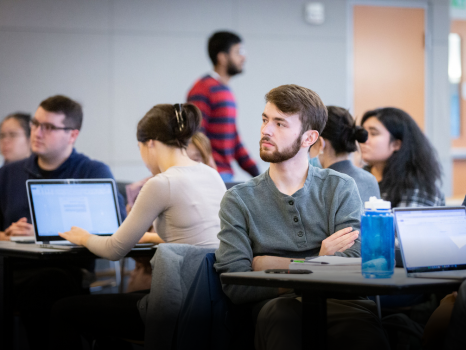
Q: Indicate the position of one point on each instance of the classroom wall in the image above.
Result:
(119, 58)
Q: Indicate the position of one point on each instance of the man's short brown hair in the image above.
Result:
(64, 105)
(292, 99)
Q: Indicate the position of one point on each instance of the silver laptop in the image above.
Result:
(432, 241)
(57, 205)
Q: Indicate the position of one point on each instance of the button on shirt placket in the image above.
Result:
(298, 228)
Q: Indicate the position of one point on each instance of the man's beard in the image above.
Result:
(232, 69)
(277, 156)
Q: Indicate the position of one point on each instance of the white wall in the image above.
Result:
(119, 58)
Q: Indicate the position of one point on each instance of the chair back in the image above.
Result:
(208, 319)
(231, 184)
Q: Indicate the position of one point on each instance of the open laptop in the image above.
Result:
(56, 205)
(432, 241)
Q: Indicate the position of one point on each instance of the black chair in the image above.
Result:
(121, 187)
(231, 184)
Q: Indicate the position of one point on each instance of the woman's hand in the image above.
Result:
(76, 235)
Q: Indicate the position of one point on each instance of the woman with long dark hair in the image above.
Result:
(405, 165)
(401, 158)
(338, 140)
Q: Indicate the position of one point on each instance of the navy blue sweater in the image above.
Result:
(13, 194)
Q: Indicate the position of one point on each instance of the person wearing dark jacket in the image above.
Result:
(54, 130)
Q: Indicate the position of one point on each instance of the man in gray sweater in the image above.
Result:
(293, 210)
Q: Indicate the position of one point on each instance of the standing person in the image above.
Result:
(14, 137)
(54, 129)
(336, 143)
(401, 158)
(217, 104)
(293, 210)
(184, 197)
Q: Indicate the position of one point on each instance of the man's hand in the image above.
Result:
(339, 241)
(260, 263)
(76, 235)
(20, 228)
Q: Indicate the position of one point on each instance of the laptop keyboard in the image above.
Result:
(443, 274)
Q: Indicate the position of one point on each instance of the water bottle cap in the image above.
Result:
(374, 203)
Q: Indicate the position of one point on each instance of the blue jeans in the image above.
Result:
(226, 177)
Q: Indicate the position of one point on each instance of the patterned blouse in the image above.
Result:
(417, 198)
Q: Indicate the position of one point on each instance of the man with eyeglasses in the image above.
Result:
(54, 130)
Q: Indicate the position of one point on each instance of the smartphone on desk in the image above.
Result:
(61, 246)
(145, 246)
(290, 272)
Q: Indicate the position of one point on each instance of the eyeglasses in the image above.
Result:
(47, 127)
(9, 135)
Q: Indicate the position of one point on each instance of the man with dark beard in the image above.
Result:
(214, 98)
(293, 210)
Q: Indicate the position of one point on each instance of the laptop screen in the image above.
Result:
(432, 239)
(57, 205)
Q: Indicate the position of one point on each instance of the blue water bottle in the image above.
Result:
(377, 239)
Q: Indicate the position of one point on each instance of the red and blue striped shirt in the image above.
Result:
(218, 107)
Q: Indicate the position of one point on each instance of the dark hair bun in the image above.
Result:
(341, 130)
(360, 134)
(174, 125)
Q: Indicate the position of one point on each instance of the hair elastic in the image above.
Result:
(179, 116)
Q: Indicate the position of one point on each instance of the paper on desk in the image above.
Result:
(330, 260)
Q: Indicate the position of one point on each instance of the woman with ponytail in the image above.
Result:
(336, 143)
(184, 196)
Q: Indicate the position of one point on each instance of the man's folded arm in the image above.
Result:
(235, 251)
(349, 215)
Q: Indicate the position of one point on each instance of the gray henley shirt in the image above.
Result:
(257, 219)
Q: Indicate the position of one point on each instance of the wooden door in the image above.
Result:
(389, 59)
